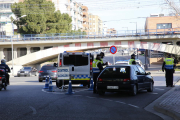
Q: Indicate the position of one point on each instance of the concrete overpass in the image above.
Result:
(50, 48)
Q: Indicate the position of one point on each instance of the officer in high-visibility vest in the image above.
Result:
(132, 60)
(97, 68)
(168, 66)
(102, 56)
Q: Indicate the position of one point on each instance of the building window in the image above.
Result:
(164, 25)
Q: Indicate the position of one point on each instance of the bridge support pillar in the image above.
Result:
(1, 53)
(28, 50)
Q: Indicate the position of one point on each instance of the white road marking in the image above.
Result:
(121, 102)
(133, 106)
(90, 97)
(153, 93)
(159, 89)
(106, 99)
(33, 109)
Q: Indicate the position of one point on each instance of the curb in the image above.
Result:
(164, 110)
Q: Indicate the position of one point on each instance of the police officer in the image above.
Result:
(132, 61)
(168, 66)
(97, 68)
(6, 68)
(102, 56)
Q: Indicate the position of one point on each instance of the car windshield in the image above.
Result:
(26, 68)
(116, 72)
(48, 68)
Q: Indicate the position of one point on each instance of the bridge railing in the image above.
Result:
(140, 34)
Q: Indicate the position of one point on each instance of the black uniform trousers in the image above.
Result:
(169, 77)
(95, 75)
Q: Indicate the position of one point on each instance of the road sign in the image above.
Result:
(113, 49)
(63, 73)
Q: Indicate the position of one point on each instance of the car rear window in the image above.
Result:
(48, 67)
(76, 60)
(116, 72)
(26, 68)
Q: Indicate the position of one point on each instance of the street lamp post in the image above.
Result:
(12, 42)
(136, 26)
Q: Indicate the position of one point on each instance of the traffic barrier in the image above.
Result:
(46, 83)
(70, 87)
(91, 85)
(50, 85)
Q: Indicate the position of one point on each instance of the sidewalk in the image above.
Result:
(169, 103)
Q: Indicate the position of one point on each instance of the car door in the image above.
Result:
(141, 76)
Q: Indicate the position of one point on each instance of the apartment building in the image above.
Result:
(85, 19)
(5, 15)
(161, 23)
(111, 31)
(95, 25)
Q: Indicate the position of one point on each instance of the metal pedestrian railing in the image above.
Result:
(140, 34)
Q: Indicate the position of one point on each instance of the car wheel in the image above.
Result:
(134, 90)
(150, 89)
(101, 92)
(40, 80)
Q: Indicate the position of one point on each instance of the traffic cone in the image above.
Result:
(46, 83)
(70, 88)
(91, 85)
(50, 85)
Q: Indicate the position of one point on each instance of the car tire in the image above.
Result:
(150, 89)
(101, 92)
(40, 80)
(134, 90)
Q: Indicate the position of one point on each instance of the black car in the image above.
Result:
(48, 70)
(131, 78)
(27, 71)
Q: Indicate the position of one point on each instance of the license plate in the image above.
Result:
(112, 87)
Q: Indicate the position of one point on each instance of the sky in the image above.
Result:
(119, 13)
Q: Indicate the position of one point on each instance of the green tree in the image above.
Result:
(41, 18)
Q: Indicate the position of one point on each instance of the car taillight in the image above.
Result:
(126, 80)
(54, 71)
(0, 77)
(60, 63)
(90, 64)
(100, 79)
(40, 71)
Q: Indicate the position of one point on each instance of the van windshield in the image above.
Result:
(76, 60)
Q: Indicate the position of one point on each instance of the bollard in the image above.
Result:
(46, 83)
(91, 85)
(70, 87)
(50, 85)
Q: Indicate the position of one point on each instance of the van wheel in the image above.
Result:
(58, 83)
(150, 89)
(134, 90)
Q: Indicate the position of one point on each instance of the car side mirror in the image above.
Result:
(148, 73)
(55, 64)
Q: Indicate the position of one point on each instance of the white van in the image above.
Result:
(81, 64)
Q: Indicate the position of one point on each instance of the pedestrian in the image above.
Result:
(132, 61)
(168, 66)
(97, 68)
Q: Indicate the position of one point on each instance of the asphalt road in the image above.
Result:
(25, 99)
